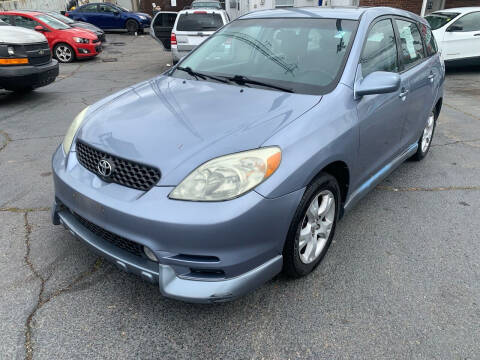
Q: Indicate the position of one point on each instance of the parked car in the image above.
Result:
(161, 27)
(192, 27)
(110, 16)
(78, 24)
(204, 4)
(457, 32)
(239, 161)
(67, 43)
(25, 59)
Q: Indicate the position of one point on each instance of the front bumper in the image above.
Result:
(206, 252)
(28, 76)
(88, 50)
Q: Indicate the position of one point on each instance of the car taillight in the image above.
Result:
(173, 39)
(66, 14)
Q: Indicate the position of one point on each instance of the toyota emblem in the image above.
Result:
(104, 168)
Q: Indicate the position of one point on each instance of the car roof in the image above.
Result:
(326, 12)
(207, 10)
(461, 10)
(22, 12)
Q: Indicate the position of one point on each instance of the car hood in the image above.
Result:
(18, 35)
(80, 32)
(176, 125)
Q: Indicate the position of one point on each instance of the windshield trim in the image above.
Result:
(300, 88)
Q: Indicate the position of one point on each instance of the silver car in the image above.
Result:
(192, 27)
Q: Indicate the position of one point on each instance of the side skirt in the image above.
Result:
(378, 177)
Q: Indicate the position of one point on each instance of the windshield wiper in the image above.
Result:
(242, 80)
(200, 75)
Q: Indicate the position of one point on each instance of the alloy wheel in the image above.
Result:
(63, 53)
(428, 132)
(316, 226)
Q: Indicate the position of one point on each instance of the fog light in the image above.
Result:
(83, 51)
(150, 254)
(10, 50)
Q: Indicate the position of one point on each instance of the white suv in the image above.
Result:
(192, 27)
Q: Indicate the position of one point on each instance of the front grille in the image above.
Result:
(121, 242)
(39, 60)
(38, 54)
(124, 172)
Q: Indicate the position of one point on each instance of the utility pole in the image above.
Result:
(424, 7)
(134, 5)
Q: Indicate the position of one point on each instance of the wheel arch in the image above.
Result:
(341, 172)
(438, 107)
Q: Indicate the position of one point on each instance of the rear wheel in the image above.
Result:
(132, 26)
(313, 227)
(64, 53)
(425, 140)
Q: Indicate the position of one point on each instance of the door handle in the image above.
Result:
(403, 94)
(431, 77)
(478, 34)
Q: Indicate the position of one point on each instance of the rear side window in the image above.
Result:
(411, 51)
(380, 50)
(430, 43)
(199, 22)
(89, 8)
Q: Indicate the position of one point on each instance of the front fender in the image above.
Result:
(325, 134)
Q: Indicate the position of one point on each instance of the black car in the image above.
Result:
(79, 24)
(25, 59)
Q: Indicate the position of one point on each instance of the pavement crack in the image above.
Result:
(462, 111)
(26, 210)
(37, 137)
(457, 142)
(440, 188)
(41, 299)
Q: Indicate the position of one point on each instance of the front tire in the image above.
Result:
(64, 53)
(313, 227)
(425, 140)
(132, 26)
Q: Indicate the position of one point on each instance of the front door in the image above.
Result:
(462, 38)
(380, 116)
(162, 27)
(109, 17)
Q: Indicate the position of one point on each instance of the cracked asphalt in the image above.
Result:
(401, 280)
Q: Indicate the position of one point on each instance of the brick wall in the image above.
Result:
(414, 6)
(461, 3)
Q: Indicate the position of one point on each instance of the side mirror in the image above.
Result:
(116, 12)
(40, 28)
(453, 28)
(378, 82)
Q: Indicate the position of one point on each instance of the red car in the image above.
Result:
(67, 43)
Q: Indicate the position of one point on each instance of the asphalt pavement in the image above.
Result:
(401, 279)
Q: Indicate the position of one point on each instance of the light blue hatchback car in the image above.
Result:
(237, 163)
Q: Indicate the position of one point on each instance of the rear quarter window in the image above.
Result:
(199, 22)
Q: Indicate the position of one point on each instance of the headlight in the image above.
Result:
(229, 176)
(142, 17)
(10, 50)
(80, 40)
(72, 130)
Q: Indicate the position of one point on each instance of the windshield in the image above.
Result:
(199, 21)
(437, 20)
(52, 22)
(304, 55)
(62, 18)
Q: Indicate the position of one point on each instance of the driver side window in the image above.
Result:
(92, 8)
(25, 22)
(106, 9)
(469, 22)
(380, 49)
